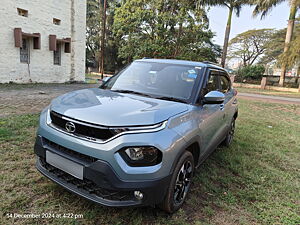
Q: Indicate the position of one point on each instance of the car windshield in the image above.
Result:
(158, 80)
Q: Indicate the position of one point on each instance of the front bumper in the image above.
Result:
(100, 183)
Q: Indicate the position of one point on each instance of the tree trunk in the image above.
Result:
(103, 38)
(298, 74)
(73, 13)
(177, 41)
(288, 38)
(226, 38)
(100, 39)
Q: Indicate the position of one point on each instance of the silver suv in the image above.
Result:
(137, 139)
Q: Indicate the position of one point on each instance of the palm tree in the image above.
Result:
(263, 7)
(292, 57)
(234, 6)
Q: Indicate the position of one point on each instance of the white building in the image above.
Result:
(42, 41)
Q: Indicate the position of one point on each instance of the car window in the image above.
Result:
(225, 83)
(157, 79)
(212, 83)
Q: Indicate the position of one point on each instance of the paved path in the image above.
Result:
(269, 98)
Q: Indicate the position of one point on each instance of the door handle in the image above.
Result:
(222, 106)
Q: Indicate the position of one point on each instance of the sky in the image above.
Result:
(277, 18)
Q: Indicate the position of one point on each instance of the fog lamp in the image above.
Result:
(138, 195)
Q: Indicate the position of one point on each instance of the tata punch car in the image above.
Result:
(137, 139)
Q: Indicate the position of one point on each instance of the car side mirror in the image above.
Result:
(105, 79)
(214, 97)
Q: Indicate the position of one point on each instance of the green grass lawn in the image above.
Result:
(255, 181)
(269, 92)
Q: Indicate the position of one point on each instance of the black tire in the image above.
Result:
(230, 134)
(180, 183)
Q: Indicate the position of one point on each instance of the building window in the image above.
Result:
(24, 51)
(22, 12)
(57, 55)
(56, 21)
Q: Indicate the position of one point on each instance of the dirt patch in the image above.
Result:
(32, 99)
(231, 217)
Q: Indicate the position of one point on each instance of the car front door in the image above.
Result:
(211, 116)
(229, 109)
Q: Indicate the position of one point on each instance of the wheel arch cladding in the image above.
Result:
(236, 115)
(194, 148)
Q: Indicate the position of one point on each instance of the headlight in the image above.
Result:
(141, 156)
(138, 129)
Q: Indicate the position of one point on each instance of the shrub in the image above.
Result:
(251, 72)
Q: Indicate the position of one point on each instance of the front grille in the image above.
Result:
(84, 130)
(87, 186)
(69, 152)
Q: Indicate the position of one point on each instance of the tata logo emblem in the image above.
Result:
(70, 127)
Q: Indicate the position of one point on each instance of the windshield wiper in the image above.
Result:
(132, 92)
(146, 95)
(171, 99)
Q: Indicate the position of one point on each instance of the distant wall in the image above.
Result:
(237, 85)
(41, 68)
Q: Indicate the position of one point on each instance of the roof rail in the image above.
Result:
(212, 63)
(147, 58)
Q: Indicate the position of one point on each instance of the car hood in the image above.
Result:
(108, 108)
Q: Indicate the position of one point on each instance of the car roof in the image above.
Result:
(180, 62)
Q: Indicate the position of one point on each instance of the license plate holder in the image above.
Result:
(66, 165)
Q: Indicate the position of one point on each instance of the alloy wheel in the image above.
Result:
(231, 131)
(183, 182)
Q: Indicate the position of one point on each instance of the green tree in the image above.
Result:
(93, 27)
(249, 46)
(263, 7)
(234, 6)
(164, 29)
(93, 36)
(292, 55)
(276, 46)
